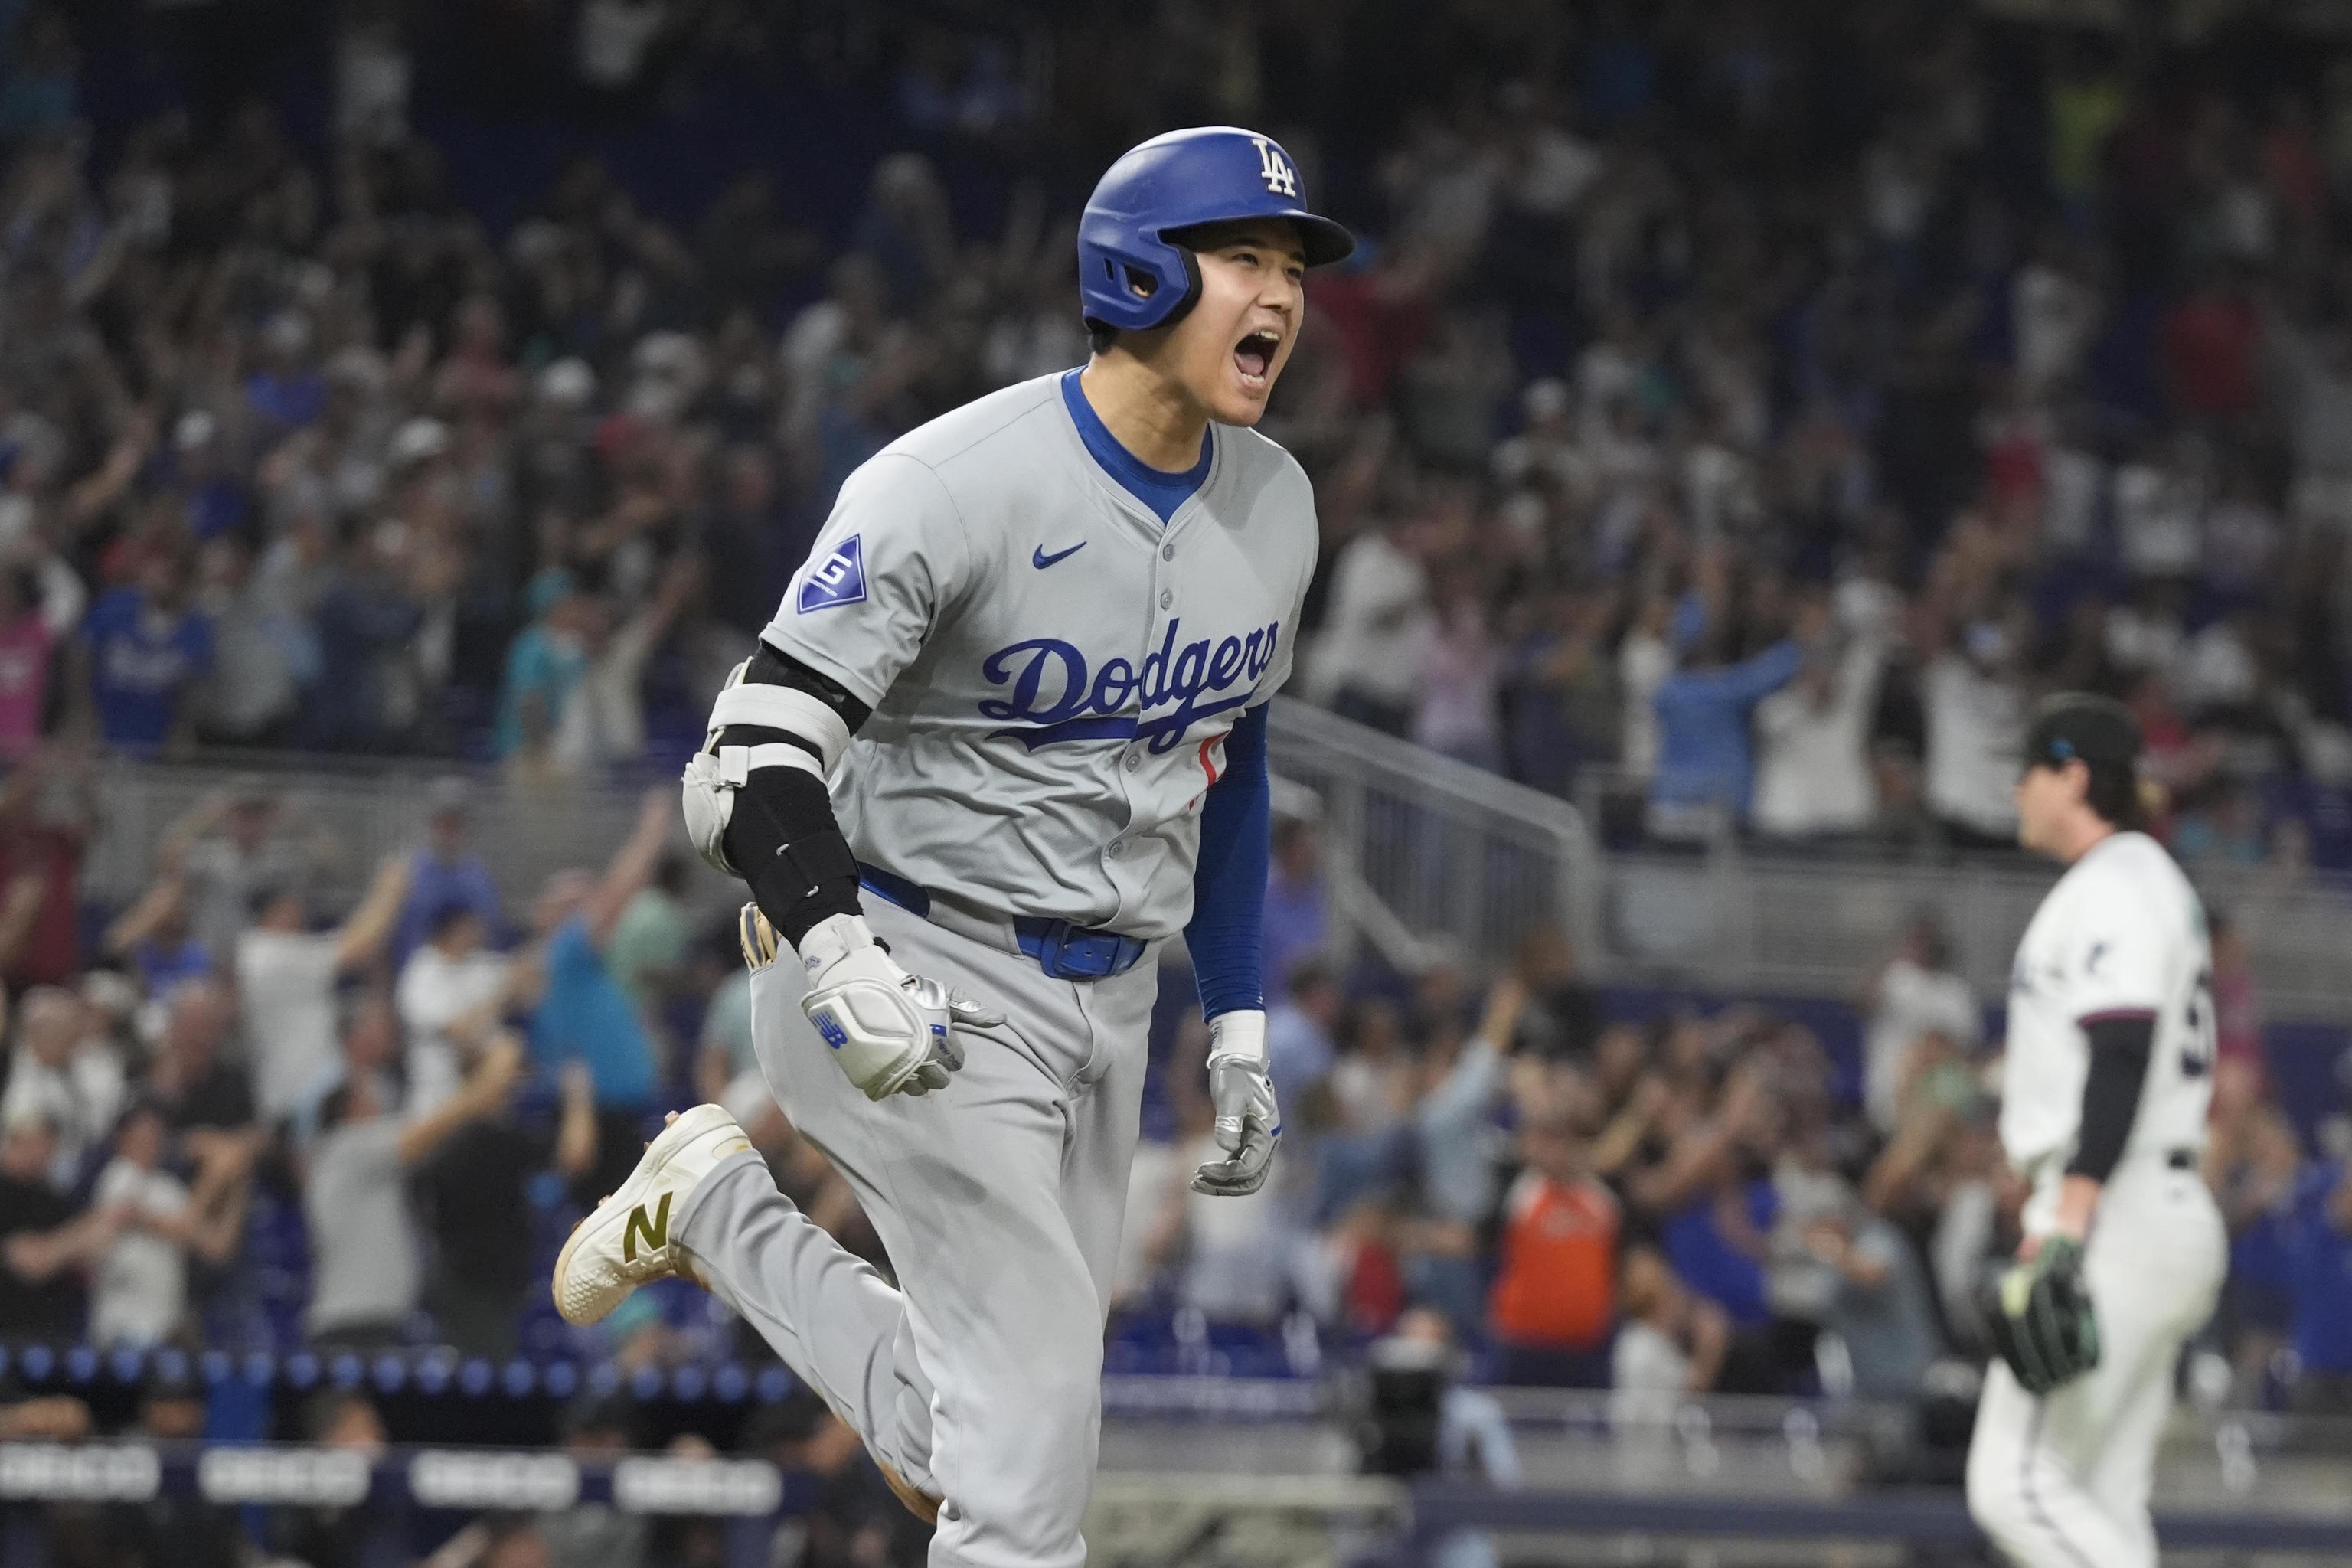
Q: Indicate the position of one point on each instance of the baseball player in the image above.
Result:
(1005, 738)
(2103, 1091)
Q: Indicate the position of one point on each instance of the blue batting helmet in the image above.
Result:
(1134, 270)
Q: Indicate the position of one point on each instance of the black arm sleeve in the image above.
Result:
(2120, 1046)
(783, 833)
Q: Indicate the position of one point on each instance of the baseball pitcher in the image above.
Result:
(1006, 737)
(2103, 1091)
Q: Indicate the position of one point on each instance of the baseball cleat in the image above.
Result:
(627, 1241)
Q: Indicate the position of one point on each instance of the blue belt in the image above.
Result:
(1063, 950)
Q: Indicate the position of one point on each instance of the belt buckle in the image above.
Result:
(1072, 953)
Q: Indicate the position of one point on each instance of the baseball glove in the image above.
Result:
(2042, 1319)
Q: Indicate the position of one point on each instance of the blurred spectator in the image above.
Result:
(46, 1242)
(443, 872)
(1812, 775)
(451, 991)
(581, 1012)
(2254, 1164)
(1919, 993)
(1463, 1078)
(1298, 1046)
(1671, 1346)
(141, 1286)
(589, 1534)
(365, 1273)
(1975, 716)
(191, 1082)
(367, 1536)
(499, 1542)
(476, 1195)
(65, 1078)
(1554, 1303)
(1705, 761)
(1298, 901)
(1879, 1304)
(45, 809)
(725, 1055)
(2320, 1263)
(2237, 1000)
(147, 651)
(1562, 1019)
(285, 976)
(32, 626)
(648, 944)
(1367, 660)
(228, 847)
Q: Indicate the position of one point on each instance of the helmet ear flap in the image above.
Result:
(1138, 288)
(1192, 287)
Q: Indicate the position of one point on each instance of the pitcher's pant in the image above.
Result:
(2062, 1481)
(978, 1379)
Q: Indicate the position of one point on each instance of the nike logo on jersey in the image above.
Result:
(1057, 695)
(1040, 560)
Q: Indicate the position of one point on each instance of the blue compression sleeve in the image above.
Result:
(1227, 934)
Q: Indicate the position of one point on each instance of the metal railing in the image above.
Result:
(1452, 854)
(1423, 854)
(355, 817)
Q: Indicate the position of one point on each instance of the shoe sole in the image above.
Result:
(689, 1125)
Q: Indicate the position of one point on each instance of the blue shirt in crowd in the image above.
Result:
(585, 1014)
(434, 884)
(141, 660)
(1705, 754)
(1708, 1262)
(2320, 1261)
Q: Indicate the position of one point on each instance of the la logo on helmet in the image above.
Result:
(1275, 169)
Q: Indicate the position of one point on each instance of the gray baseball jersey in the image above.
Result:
(1052, 672)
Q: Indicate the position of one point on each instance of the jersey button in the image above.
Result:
(1167, 597)
(1134, 761)
(1116, 850)
(1168, 553)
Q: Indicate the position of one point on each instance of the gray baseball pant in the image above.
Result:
(978, 1377)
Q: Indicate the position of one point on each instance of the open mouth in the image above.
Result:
(1253, 357)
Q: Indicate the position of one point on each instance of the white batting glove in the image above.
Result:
(893, 1033)
(1249, 1123)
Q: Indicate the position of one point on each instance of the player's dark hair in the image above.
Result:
(1099, 338)
(2114, 792)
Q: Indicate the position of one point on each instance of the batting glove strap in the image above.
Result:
(1238, 1036)
(892, 1032)
(2042, 1318)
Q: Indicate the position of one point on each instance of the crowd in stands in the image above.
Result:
(1731, 424)
(1739, 424)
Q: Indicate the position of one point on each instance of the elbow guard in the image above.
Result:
(754, 798)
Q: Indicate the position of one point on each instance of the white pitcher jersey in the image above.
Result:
(1053, 673)
(2122, 934)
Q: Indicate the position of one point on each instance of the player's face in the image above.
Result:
(2045, 795)
(1233, 343)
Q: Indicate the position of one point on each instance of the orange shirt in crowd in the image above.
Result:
(1558, 1284)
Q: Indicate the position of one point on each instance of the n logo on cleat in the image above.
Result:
(655, 1231)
